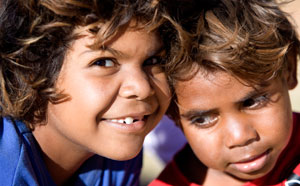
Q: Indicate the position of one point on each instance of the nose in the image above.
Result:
(136, 85)
(239, 132)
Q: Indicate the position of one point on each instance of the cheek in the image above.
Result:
(162, 89)
(278, 129)
(276, 123)
(207, 147)
(90, 95)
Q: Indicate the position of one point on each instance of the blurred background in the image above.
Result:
(157, 153)
(293, 8)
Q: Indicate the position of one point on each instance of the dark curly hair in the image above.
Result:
(35, 35)
(250, 40)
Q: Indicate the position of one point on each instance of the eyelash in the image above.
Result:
(206, 124)
(98, 62)
(256, 102)
(158, 61)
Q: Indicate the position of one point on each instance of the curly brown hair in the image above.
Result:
(35, 35)
(250, 40)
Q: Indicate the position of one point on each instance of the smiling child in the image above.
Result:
(232, 100)
(82, 84)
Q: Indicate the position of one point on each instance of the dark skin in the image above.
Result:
(191, 167)
(235, 133)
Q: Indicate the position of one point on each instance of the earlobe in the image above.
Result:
(291, 74)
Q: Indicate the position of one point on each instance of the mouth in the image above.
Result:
(252, 164)
(128, 120)
(127, 124)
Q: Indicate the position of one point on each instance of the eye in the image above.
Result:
(155, 60)
(256, 103)
(105, 62)
(153, 65)
(204, 121)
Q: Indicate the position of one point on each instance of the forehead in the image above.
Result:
(125, 40)
(140, 38)
(203, 79)
(210, 89)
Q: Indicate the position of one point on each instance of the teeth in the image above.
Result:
(128, 120)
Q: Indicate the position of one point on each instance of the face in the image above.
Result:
(234, 129)
(117, 95)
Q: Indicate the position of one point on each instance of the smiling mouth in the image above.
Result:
(127, 120)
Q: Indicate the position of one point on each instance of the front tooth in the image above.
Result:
(128, 120)
(120, 121)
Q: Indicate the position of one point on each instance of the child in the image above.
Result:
(81, 83)
(233, 101)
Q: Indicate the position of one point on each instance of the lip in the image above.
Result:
(253, 163)
(135, 127)
(134, 116)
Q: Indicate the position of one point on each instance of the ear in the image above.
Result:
(291, 72)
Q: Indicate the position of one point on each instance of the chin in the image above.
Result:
(124, 152)
(125, 156)
(253, 176)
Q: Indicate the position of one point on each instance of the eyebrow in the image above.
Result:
(195, 112)
(159, 51)
(114, 52)
(254, 93)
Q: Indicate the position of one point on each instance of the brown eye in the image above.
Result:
(106, 62)
(153, 65)
(153, 61)
(257, 102)
(248, 102)
(205, 121)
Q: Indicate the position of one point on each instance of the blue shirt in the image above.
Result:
(21, 162)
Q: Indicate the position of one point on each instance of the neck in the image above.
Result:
(216, 177)
(196, 172)
(61, 160)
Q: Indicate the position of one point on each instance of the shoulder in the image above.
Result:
(294, 144)
(174, 172)
(158, 182)
(294, 178)
(10, 147)
(20, 160)
(171, 175)
(296, 118)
